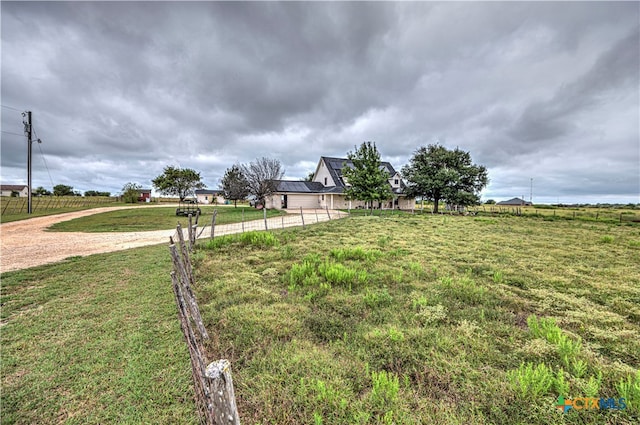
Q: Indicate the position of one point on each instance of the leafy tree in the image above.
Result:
(131, 193)
(41, 191)
(367, 180)
(490, 202)
(262, 177)
(437, 173)
(178, 182)
(63, 190)
(309, 177)
(235, 185)
(96, 193)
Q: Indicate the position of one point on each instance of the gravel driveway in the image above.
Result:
(26, 243)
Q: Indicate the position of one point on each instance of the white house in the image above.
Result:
(206, 196)
(327, 189)
(21, 189)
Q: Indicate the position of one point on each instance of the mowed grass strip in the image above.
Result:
(161, 218)
(94, 340)
(431, 319)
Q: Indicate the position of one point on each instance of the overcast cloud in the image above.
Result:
(547, 91)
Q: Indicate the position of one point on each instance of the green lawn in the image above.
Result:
(94, 340)
(427, 319)
(142, 219)
(394, 319)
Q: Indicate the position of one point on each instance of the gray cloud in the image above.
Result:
(541, 90)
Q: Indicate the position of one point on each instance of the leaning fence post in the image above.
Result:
(213, 223)
(328, 214)
(316, 211)
(224, 400)
(302, 217)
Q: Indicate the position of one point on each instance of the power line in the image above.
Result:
(11, 107)
(15, 134)
(43, 158)
(45, 163)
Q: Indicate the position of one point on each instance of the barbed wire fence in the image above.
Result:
(213, 382)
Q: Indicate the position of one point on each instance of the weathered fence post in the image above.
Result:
(224, 400)
(328, 214)
(316, 211)
(302, 217)
(190, 233)
(213, 384)
(264, 211)
(213, 223)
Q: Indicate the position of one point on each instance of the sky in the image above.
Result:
(544, 94)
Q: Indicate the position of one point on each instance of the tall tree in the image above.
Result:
(63, 190)
(367, 180)
(178, 182)
(131, 193)
(235, 185)
(262, 177)
(41, 191)
(439, 174)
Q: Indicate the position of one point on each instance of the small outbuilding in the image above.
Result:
(20, 190)
(144, 195)
(210, 196)
(514, 202)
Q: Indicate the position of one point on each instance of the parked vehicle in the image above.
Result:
(188, 206)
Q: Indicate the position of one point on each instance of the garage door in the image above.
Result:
(304, 201)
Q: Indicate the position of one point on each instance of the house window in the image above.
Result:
(323, 195)
(325, 182)
(396, 181)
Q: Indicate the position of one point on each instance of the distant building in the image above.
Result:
(9, 189)
(327, 190)
(145, 195)
(208, 196)
(514, 202)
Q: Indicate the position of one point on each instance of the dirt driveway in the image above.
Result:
(25, 243)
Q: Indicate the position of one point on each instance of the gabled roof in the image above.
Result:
(514, 201)
(336, 165)
(17, 187)
(209, 192)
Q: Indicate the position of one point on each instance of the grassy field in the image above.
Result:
(393, 319)
(427, 319)
(94, 340)
(140, 219)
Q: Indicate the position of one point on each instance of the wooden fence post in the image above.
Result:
(328, 214)
(213, 223)
(316, 211)
(213, 384)
(226, 411)
(264, 211)
(302, 217)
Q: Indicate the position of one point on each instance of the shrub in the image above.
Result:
(629, 388)
(529, 381)
(337, 274)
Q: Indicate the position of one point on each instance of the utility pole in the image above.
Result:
(531, 192)
(27, 130)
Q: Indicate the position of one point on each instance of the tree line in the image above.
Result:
(434, 173)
